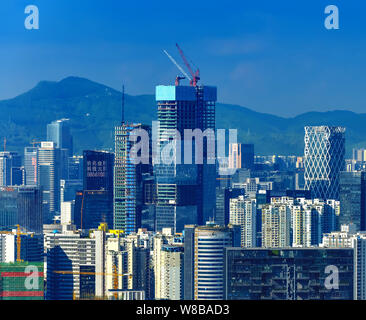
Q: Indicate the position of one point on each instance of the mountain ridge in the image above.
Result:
(94, 109)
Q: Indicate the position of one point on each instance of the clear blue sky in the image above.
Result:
(270, 56)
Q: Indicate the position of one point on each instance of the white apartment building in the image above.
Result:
(243, 213)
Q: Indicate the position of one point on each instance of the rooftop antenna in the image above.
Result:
(123, 104)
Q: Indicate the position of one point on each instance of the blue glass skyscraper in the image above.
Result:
(59, 132)
(185, 192)
(127, 193)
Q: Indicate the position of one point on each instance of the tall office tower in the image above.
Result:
(184, 191)
(30, 165)
(76, 255)
(93, 207)
(276, 226)
(299, 179)
(204, 260)
(98, 170)
(323, 160)
(189, 252)
(14, 282)
(68, 189)
(94, 204)
(222, 206)
(17, 170)
(48, 172)
(75, 171)
(243, 212)
(64, 156)
(23, 206)
(59, 132)
(353, 199)
(10, 169)
(288, 274)
(149, 199)
(241, 156)
(29, 203)
(235, 160)
(8, 209)
(128, 182)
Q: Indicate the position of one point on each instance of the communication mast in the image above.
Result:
(123, 104)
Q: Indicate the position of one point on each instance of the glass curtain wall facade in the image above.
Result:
(184, 191)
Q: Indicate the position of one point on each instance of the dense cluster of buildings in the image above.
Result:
(103, 226)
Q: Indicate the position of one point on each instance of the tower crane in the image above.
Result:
(18, 237)
(115, 281)
(19, 243)
(195, 74)
(178, 78)
(115, 273)
(104, 227)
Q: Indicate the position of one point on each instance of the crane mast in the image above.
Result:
(186, 76)
(195, 74)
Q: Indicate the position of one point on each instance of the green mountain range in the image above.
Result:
(94, 110)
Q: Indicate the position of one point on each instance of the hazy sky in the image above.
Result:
(270, 56)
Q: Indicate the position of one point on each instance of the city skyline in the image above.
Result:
(160, 225)
(173, 195)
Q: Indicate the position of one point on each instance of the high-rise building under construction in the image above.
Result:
(184, 191)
